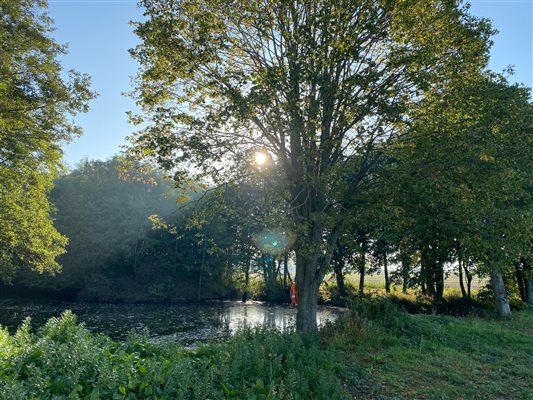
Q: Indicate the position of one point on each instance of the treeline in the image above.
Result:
(112, 253)
(376, 124)
(131, 241)
(403, 148)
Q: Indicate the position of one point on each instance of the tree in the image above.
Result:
(35, 105)
(316, 84)
(461, 180)
(253, 230)
(106, 219)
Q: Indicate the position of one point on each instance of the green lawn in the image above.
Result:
(439, 357)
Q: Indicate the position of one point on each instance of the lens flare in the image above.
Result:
(260, 158)
(273, 241)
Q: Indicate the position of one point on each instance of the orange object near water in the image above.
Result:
(294, 294)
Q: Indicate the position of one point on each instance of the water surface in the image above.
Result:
(183, 323)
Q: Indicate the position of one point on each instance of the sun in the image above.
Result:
(260, 158)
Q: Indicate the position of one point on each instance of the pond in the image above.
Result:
(182, 323)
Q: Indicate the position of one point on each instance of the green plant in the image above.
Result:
(63, 360)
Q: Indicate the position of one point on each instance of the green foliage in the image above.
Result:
(319, 85)
(106, 221)
(36, 104)
(456, 186)
(62, 359)
(130, 242)
(386, 315)
(373, 351)
(395, 355)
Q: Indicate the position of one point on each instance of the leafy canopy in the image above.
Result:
(35, 105)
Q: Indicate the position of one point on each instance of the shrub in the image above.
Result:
(63, 360)
(383, 313)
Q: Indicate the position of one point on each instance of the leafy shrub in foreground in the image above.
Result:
(63, 360)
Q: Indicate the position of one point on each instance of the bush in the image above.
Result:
(486, 296)
(63, 360)
(383, 313)
(329, 293)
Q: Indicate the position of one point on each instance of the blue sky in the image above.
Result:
(99, 36)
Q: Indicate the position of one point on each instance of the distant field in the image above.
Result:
(378, 280)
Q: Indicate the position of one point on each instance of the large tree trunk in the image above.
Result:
(307, 283)
(500, 295)
(311, 267)
(386, 268)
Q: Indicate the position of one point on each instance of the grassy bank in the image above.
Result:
(375, 351)
(404, 356)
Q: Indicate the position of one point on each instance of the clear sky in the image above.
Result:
(99, 36)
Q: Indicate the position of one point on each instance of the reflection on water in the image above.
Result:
(185, 324)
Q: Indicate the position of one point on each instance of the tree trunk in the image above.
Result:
(386, 268)
(520, 281)
(461, 283)
(269, 268)
(339, 276)
(362, 263)
(528, 277)
(469, 278)
(405, 272)
(529, 287)
(311, 267)
(439, 280)
(285, 269)
(246, 280)
(278, 271)
(306, 281)
(500, 295)
(263, 266)
(427, 274)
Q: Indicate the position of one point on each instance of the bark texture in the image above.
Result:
(501, 303)
(307, 294)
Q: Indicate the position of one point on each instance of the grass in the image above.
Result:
(407, 356)
(375, 351)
